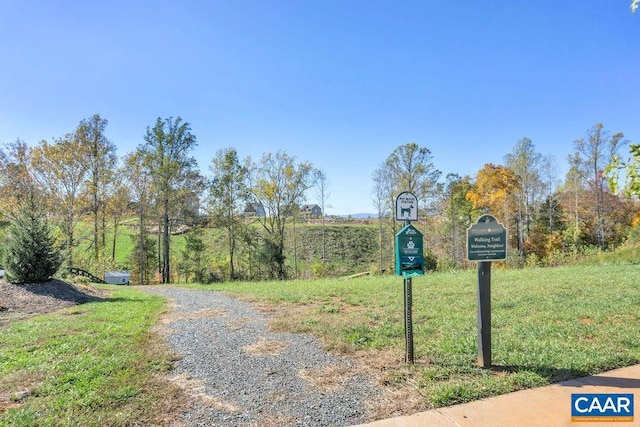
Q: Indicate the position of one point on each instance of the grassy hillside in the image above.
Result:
(348, 248)
(629, 253)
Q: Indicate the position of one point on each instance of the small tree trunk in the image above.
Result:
(142, 249)
(113, 243)
(166, 277)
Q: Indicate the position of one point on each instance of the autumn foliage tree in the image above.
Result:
(61, 170)
(278, 184)
(17, 185)
(494, 192)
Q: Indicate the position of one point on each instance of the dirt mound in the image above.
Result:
(19, 302)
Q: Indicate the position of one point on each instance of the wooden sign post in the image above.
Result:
(486, 242)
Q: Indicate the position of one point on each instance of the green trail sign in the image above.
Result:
(409, 252)
(487, 240)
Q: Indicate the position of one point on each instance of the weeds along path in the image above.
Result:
(240, 374)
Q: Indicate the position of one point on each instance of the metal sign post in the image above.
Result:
(408, 320)
(409, 260)
(486, 242)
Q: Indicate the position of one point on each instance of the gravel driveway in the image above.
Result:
(240, 374)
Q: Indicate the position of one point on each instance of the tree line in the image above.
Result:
(549, 219)
(87, 192)
(78, 179)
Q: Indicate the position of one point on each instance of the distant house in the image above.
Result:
(313, 211)
(190, 206)
(253, 209)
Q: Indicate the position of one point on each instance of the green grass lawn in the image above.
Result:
(90, 365)
(548, 324)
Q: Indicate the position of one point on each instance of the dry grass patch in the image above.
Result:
(238, 324)
(17, 387)
(195, 388)
(329, 379)
(301, 318)
(199, 314)
(395, 402)
(400, 393)
(264, 307)
(274, 421)
(162, 326)
(265, 347)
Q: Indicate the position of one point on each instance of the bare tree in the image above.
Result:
(411, 169)
(382, 193)
(101, 159)
(525, 163)
(323, 196)
(592, 155)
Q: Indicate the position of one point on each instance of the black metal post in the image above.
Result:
(484, 314)
(408, 321)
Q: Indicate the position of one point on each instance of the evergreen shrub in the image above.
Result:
(30, 251)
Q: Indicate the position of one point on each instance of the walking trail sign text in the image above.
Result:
(487, 240)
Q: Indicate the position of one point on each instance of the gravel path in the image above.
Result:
(240, 374)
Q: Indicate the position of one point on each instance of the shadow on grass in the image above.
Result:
(571, 377)
(553, 375)
(602, 381)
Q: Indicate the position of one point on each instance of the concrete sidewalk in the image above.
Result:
(543, 406)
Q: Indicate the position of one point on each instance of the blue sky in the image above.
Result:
(338, 83)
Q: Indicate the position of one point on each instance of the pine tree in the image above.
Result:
(193, 261)
(30, 254)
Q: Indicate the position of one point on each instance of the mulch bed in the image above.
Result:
(18, 302)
